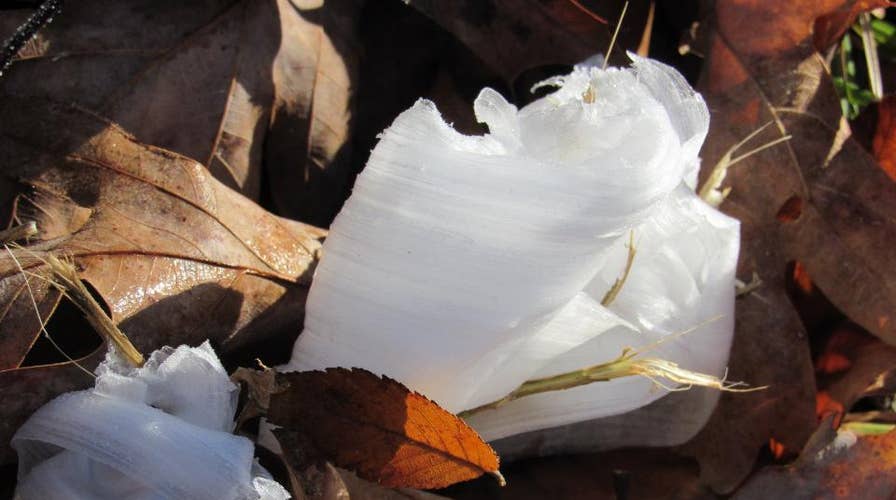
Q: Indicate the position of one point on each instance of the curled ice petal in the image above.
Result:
(501, 117)
(682, 275)
(160, 431)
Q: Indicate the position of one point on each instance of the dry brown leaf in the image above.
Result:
(414, 58)
(232, 84)
(376, 427)
(833, 465)
(855, 365)
(624, 474)
(514, 36)
(176, 256)
(819, 199)
(830, 27)
(884, 142)
(326, 482)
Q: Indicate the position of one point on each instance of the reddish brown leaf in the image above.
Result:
(830, 27)
(832, 362)
(826, 406)
(884, 142)
(233, 84)
(870, 371)
(831, 466)
(841, 232)
(378, 428)
(776, 448)
(513, 36)
(177, 256)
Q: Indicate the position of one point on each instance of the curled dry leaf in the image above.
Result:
(376, 427)
(176, 256)
(234, 84)
(819, 199)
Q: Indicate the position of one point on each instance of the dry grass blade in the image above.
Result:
(614, 290)
(16, 233)
(66, 279)
(626, 365)
(615, 35)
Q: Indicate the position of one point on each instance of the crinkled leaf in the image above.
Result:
(232, 84)
(176, 256)
(819, 199)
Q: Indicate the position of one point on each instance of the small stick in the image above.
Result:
(615, 34)
(590, 94)
(66, 277)
(614, 290)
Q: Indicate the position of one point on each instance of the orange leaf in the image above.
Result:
(832, 362)
(833, 465)
(830, 27)
(884, 144)
(377, 427)
(801, 277)
(826, 405)
(776, 448)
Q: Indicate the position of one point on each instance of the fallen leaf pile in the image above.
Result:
(186, 157)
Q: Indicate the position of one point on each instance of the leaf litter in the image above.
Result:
(837, 203)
